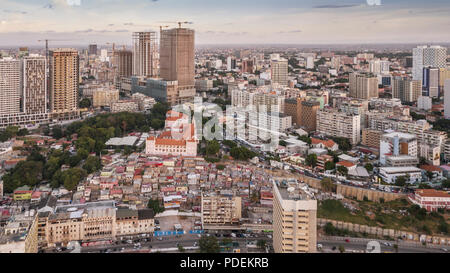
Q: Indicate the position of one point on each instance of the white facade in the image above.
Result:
(424, 103)
(395, 144)
(10, 86)
(333, 123)
(424, 56)
(390, 174)
(447, 99)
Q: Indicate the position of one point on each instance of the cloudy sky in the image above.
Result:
(230, 21)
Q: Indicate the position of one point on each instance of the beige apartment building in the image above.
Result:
(279, 69)
(105, 97)
(371, 138)
(332, 122)
(96, 221)
(10, 86)
(363, 86)
(124, 63)
(221, 210)
(308, 119)
(294, 219)
(64, 82)
(406, 90)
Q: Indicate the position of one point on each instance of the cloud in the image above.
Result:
(332, 6)
(289, 32)
(14, 11)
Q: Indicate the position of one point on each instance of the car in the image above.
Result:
(347, 240)
(160, 238)
(333, 248)
(445, 250)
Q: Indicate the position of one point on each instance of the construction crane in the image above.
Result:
(179, 23)
(46, 44)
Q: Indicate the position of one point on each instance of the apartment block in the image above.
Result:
(294, 219)
(221, 210)
(332, 122)
(363, 86)
(64, 83)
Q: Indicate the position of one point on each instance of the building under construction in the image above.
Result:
(145, 54)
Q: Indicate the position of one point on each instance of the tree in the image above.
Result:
(57, 132)
(212, 147)
(72, 177)
(327, 184)
(209, 244)
(430, 175)
(369, 167)
(311, 160)
(330, 165)
(400, 181)
(396, 248)
(342, 170)
(181, 249)
(341, 249)
(23, 132)
(305, 139)
(85, 103)
(283, 143)
(155, 204)
(92, 164)
(261, 244)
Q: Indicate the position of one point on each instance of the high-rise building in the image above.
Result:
(332, 122)
(406, 90)
(431, 82)
(35, 85)
(308, 120)
(293, 108)
(145, 54)
(444, 74)
(124, 63)
(447, 99)
(428, 56)
(10, 86)
(93, 49)
(177, 56)
(279, 69)
(247, 66)
(294, 219)
(231, 63)
(363, 86)
(64, 83)
(378, 67)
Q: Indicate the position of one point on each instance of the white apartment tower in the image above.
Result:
(428, 56)
(10, 86)
(332, 122)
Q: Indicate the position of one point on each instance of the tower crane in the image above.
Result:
(46, 44)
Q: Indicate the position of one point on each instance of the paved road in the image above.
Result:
(361, 245)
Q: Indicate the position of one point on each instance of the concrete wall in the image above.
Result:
(406, 235)
(355, 192)
(371, 195)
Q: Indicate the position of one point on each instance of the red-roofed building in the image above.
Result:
(324, 144)
(431, 199)
(435, 170)
(349, 165)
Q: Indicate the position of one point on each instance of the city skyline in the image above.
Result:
(231, 22)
